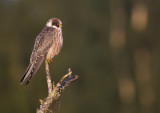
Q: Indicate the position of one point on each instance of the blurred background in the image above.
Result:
(113, 45)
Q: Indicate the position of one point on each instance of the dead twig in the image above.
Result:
(54, 91)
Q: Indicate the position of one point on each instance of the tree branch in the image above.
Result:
(54, 92)
(48, 77)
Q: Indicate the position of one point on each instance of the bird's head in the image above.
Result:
(54, 22)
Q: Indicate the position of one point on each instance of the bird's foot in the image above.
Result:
(49, 61)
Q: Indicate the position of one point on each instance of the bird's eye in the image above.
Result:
(56, 24)
(53, 24)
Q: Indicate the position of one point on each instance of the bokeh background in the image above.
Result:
(113, 45)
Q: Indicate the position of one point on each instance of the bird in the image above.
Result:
(47, 45)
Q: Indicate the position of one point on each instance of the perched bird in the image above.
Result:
(47, 44)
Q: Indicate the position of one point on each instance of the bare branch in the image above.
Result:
(48, 77)
(54, 92)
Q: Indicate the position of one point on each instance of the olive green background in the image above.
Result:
(113, 45)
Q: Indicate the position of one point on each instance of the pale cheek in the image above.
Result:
(54, 27)
(49, 24)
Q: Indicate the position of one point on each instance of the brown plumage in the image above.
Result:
(48, 44)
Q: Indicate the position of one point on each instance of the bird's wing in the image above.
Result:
(42, 44)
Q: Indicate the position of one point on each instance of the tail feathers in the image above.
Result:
(35, 69)
(31, 70)
(26, 73)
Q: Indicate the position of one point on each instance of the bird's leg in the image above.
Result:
(49, 61)
(48, 78)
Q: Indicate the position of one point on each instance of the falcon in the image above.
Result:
(47, 44)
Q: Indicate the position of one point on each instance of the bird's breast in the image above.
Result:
(56, 47)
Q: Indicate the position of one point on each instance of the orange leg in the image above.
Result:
(49, 61)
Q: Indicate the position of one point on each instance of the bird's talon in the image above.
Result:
(49, 61)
